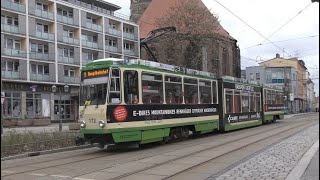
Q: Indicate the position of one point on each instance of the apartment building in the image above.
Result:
(301, 77)
(46, 42)
(283, 77)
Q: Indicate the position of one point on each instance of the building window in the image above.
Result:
(12, 105)
(43, 7)
(128, 30)
(91, 20)
(40, 69)
(42, 28)
(65, 13)
(65, 52)
(257, 76)
(128, 46)
(12, 44)
(8, 20)
(90, 38)
(39, 48)
(9, 66)
(69, 72)
(111, 42)
(68, 33)
(112, 25)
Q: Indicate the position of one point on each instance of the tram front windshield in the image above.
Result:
(93, 90)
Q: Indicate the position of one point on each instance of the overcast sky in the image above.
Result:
(299, 36)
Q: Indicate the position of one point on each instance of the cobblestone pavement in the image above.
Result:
(275, 162)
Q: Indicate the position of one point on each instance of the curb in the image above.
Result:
(37, 153)
(297, 172)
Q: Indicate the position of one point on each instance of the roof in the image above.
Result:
(103, 4)
(158, 9)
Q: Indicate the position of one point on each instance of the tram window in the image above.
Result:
(258, 102)
(152, 88)
(245, 102)
(281, 98)
(205, 91)
(114, 95)
(237, 102)
(190, 91)
(269, 97)
(173, 89)
(273, 97)
(229, 101)
(131, 93)
(214, 92)
(252, 102)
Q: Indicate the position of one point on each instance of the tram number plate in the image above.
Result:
(92, 120)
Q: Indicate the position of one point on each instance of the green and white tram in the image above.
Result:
(138, 101)
(141, 101)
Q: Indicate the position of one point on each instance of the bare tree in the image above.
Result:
(194, 24)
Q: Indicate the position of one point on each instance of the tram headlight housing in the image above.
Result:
(82, 124)
(102, 123)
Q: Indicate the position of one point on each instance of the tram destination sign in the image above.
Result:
(95, 73)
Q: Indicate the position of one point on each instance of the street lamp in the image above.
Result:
(54, 90)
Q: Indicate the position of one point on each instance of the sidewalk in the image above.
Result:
(36, 129)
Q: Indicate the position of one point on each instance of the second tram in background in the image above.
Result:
(138, 101)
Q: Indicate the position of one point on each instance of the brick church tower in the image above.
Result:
(223, 56)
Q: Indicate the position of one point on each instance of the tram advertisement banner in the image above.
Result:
(240, 117)
(274, 107)
(121, 113)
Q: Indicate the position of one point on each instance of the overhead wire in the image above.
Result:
(288, 22)
(252, 28)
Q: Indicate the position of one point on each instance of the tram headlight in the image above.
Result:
(102, 123)
(82, 124)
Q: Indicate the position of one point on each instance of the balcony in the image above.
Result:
(112, 49)
(86, 61)
(129, 52)
(10, 75)
(10, 29)
(93, 26)
(114, 32)
(7, 4)
(14, 52)
(90, 44)
(129, 36)
(40, 77)
(71, 80)
(65, 19)
(67, 60)
(39, 56)
(69, 40)
(43, 35)
(44, 14)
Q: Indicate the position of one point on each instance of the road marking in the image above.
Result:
(83, 179)
(60, 176)
(38, 174)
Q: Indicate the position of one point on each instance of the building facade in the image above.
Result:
(222, 52)
(283, 77)
(301, 77)
(46, 42)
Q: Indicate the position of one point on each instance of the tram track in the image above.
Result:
(137, 171)
(196, 152)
